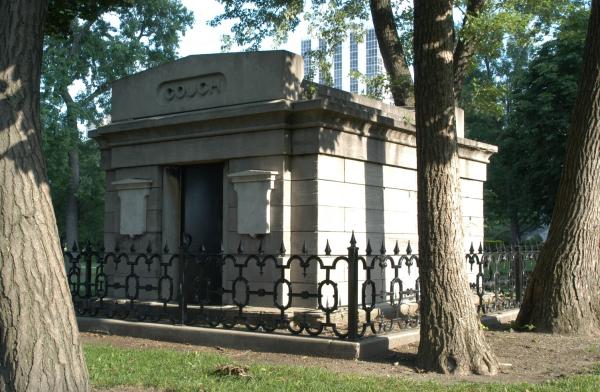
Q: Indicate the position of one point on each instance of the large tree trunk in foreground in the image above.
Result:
(39, 339)
(451, 341)
(563, 295)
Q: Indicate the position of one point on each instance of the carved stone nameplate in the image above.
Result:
(197, 87)
(208, 81)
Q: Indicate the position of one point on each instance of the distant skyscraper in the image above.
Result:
(353, 63)
(348, 57)
(337, 67)
(305, 49)
(323, 48)
(374, 63)
(372, 53)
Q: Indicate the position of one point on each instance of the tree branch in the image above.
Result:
(392, 52)
(77, 38)
(104, 87)
(465, 48)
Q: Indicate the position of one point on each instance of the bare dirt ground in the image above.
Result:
(524, 357)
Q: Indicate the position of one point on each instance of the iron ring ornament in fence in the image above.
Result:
(347, 296)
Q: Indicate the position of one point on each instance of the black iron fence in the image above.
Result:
(348, 296)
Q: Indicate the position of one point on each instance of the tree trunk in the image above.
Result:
(465, 48)
(392, 52)
(515, 227)
(451, 341)
(563, 295)
(72, 218)
(72, 207)
(39, 339)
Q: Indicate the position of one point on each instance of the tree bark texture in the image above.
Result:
(563, 295)
(39, 339)
(451, 339)
(392, 52)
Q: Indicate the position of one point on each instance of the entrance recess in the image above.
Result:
(202, 220)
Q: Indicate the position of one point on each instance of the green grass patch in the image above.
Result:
(173, 370)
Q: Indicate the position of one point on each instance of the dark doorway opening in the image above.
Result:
(202, 222)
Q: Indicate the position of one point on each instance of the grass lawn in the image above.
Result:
(173, 370)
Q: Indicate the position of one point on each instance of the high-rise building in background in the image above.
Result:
(349, 57)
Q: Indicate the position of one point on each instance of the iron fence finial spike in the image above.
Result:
(75, 247)
(352, 239)
(282, 249)
(471, 249)
(304, 251)
(166, 248)
(132, 248)
(368, 249)
(240, 248)
(149, 247)
(186, 241)
(260, 247)
(480, 249)
(396, 249)
(408, 248)
(382, 250)
(327, 248)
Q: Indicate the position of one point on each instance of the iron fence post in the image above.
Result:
(181, 286)
(352, 290)
(87, 254)
(518, 272)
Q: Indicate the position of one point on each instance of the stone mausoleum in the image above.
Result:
(230, 147)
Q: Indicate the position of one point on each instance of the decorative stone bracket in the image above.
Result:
(253, 188)
(133, 194)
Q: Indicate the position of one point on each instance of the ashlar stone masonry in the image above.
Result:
(230, 147)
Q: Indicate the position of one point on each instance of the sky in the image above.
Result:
(203, 39)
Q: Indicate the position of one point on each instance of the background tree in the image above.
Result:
(522, 102)
(78, 69)
(563, 295)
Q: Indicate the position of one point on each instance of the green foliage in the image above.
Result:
(86, 58)
(61, 13)
(522, 328)
(527, 114)
(260, 19)
(376, 86)
(522, 21)
(111, 367)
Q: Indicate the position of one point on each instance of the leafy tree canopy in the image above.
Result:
(78, 66)
(333, 20)
(527, 114)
